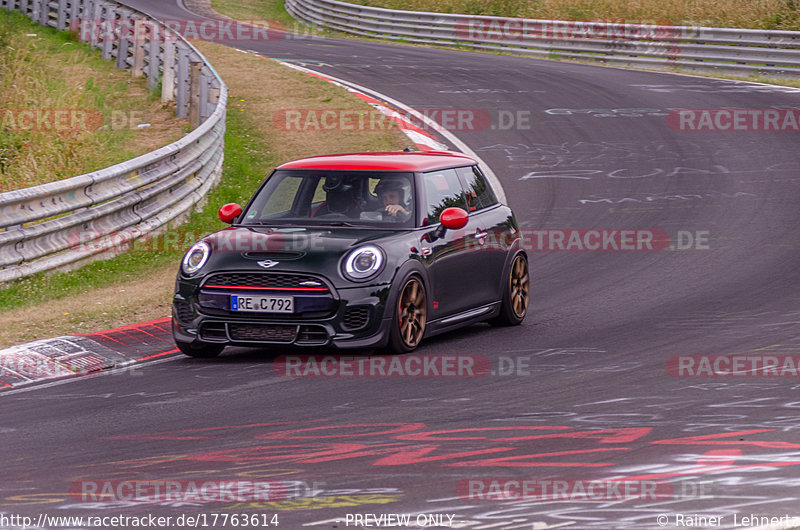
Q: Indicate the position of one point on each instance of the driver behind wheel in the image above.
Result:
(393, 193)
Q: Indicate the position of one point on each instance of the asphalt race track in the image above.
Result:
(588, 390)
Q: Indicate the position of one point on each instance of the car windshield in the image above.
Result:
(382, 199)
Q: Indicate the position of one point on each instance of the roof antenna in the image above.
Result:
(408, 149)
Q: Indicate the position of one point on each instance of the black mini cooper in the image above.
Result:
(367, 250)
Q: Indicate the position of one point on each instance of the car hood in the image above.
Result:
(317, 250)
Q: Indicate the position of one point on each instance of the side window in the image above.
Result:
(478, 193)
(442, 190)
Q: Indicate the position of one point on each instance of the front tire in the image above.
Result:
(410, 317)
(200, 351)
(516, 294)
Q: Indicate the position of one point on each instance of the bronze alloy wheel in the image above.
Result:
(412, 312)
(519, 286)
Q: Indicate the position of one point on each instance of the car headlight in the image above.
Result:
(363, 263)
(197, 256)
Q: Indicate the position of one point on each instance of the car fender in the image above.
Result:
(411, 266)
(513, 251)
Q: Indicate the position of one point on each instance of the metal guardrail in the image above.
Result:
(699, 49)
(68, 221)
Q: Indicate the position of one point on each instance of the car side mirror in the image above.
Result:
(229, 212)
(452, 218)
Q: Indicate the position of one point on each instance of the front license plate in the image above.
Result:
(263, 304)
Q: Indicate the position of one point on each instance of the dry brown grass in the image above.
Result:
(762, 14)
(263, 89)
(96, 310)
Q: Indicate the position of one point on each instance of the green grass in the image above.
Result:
(244, 168)
(273, 10)
(53, 72)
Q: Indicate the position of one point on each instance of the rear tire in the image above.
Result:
(410, 317)
(516, 294)
(201, 351)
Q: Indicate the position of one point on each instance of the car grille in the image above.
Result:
(355, 317)
(265, 332)
(307, 335)
(263, 279)
(183, 312)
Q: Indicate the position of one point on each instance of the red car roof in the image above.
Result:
(391, 161)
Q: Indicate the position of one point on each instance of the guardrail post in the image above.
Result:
(98, 25)
(213, 93)
(61, 19)
(139, 36)
(83, 23)
(44, 12)
(74, 13)
(168, 73)
(123, 33)
(205, 85)
(110, 18)
(182, 81)
(195, 79)
(153, 54)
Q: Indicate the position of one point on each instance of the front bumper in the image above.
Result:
(344, 318)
